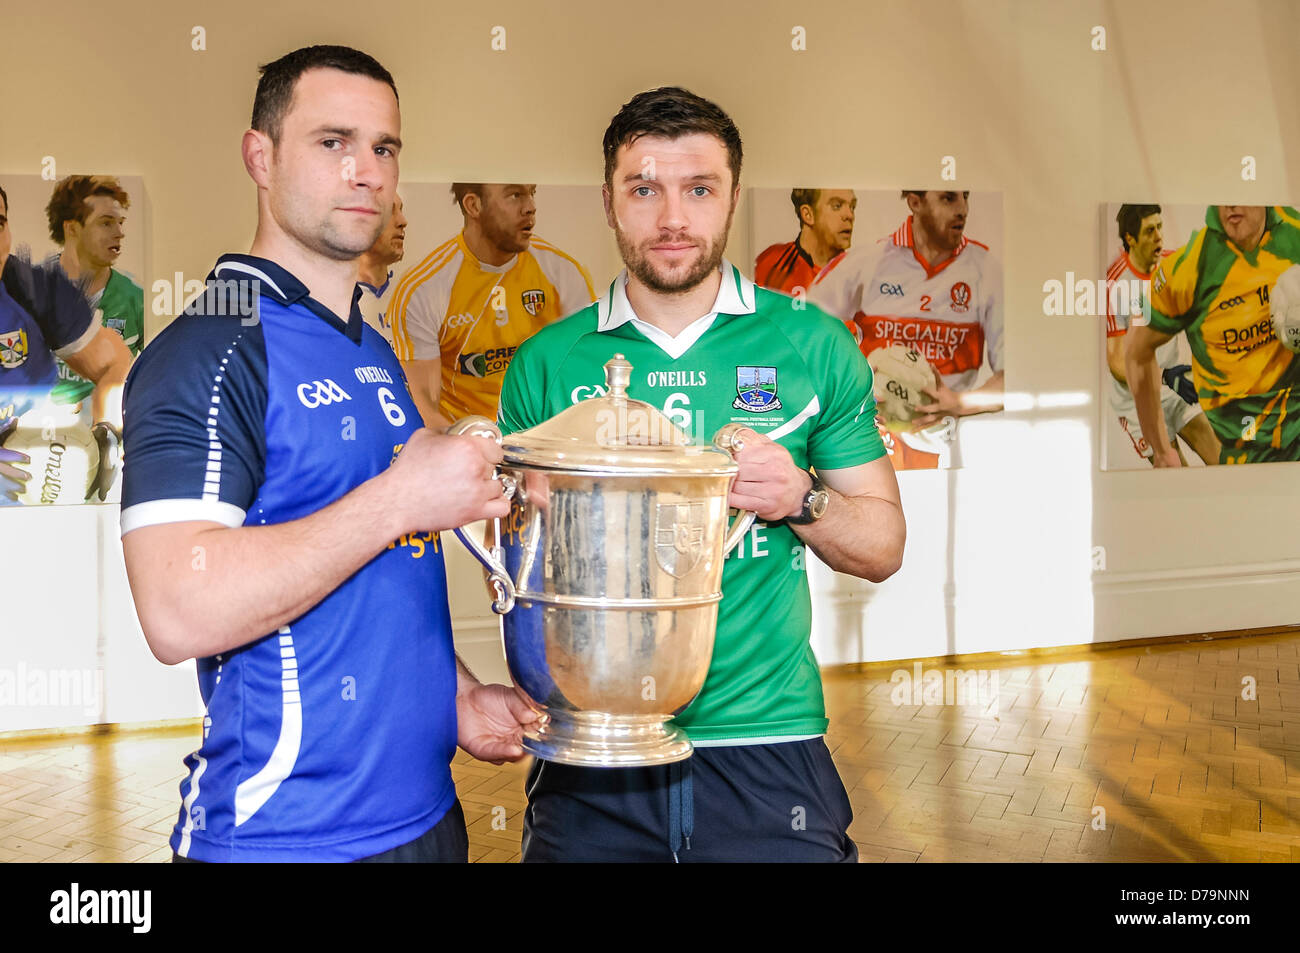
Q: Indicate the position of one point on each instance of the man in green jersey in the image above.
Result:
(87, 217)
(1216, 289)
(710, 348)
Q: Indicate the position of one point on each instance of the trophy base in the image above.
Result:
(605, 741)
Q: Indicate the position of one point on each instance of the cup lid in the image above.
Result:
(614, 434)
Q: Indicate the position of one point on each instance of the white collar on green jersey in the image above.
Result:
(735, 296)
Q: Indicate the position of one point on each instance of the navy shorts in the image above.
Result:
(762, 802)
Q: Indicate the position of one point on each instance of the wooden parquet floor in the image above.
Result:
(1128, 754)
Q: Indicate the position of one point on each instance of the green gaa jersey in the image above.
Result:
(120, 306)
(784, 369)
(1219, 294)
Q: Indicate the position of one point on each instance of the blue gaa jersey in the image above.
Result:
(332, 738)
(42, 315)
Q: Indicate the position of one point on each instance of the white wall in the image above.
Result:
(999, 553)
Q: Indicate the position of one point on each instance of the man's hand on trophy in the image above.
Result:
(490, 722)
(440, 482)
(769, 482)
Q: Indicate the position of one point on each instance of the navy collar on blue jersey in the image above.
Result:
(282, 287)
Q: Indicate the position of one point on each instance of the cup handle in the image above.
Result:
(493, 561)
(727, 441)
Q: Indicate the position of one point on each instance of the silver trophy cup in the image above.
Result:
(608, 573)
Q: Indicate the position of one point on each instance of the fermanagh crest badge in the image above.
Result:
(757, 389)
(679, 536)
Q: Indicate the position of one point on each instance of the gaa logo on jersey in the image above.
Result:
(13, 348)
(960, 295)
(534, 301)
(315, 394)
(679, 536)
(756, 387)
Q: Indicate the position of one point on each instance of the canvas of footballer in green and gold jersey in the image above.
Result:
(1216, 288)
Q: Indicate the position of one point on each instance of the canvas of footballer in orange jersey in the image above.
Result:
(825, 219)
(460, 311)
(1133, 245)
(915, 277)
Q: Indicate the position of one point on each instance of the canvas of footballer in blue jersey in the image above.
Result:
(27, 365)
(27, 370)
(41, 313)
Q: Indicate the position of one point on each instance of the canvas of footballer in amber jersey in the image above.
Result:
(473, 316)
(1247, 382)
(951, 313)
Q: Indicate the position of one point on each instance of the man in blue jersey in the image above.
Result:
(281, 509)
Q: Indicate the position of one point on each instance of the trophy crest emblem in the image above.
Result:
(679, 536)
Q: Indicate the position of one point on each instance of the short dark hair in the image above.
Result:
(801, 197)
(1129, 219)
(920, 193)
(5, 199)
(461, 189)
(275, 88)
(68, 201)
(671, 112)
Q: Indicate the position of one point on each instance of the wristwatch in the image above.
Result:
(814, 504)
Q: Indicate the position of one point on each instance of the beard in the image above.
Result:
(501, 236)
(638, 261)
(940, 236)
